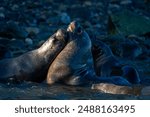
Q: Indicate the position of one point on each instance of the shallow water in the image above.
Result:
(57, 92)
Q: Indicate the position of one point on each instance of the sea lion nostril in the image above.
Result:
(79, 30)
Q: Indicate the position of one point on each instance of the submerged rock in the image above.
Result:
(12, 30)
(65, 18)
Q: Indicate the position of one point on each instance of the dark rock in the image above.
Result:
(65, 18)
(80, 12)
(12, 30)
(126, 2)
(29, 41)
(32, 30)
(131, 23)
(2, 16)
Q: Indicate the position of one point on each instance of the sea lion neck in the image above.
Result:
(55, 41)
(76, 32)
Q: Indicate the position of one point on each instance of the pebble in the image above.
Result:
(32, 30)
(15, 7)
(65, 18)
(126, 2)
(114, 6)
(28, 41)
(17, 31)
(2, 16)
(2, 9)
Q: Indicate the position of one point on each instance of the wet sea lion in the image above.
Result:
(72, 61)
(33, 65)
(131, 74)
(116, 89)
(74, 64)
(107, 64)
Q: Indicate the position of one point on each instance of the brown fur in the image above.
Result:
(33, 65)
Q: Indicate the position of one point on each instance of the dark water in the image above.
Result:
(57, 92)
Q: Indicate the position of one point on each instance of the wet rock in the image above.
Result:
(114, 1)
(80, 12)
(113, 7)
(32, 30)
(15, 7)
(65, 18)
(2, 16)
(29, 41)
(128, 23)
(53, 20)
(126, 2)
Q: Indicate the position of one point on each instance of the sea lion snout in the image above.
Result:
(75, 27)
(62, 34)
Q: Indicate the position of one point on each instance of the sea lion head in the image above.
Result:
(61, 35)
(75, 27)
(76, 31)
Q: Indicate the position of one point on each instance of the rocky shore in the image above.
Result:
(122, 24)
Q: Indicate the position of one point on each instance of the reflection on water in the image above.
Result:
(57, 92)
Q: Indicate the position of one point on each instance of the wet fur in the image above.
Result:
(33, 65)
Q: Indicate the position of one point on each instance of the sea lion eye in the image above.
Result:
(79, 30)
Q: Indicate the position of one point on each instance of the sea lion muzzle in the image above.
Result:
(75, 27)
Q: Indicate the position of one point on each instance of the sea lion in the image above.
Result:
(74, 64)
(104, 60)
(116, 89)
(131, 74)
(107, 64)
(33, 65)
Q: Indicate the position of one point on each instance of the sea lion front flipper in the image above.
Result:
(104, 60)
(131, 74)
